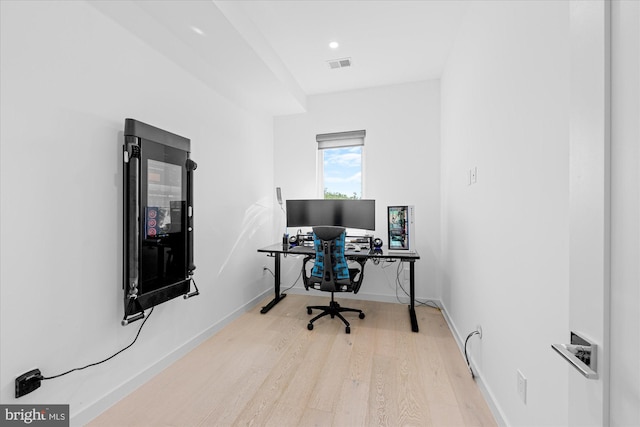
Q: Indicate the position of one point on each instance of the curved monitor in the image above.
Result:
(349, 213)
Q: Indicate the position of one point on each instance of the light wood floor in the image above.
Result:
(268, 369)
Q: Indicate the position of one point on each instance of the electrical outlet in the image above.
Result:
(474, 175)
(522, 386)
(479, 329)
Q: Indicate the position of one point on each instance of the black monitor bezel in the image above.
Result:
(327, 212)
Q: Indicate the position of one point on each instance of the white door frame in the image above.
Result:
(589, 204)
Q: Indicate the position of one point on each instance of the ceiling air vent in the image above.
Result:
(339, 63)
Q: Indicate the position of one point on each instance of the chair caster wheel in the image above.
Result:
(310, 326)
(361, 315)
(308, 310)
(347, 330)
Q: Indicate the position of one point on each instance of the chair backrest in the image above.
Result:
(330, 264)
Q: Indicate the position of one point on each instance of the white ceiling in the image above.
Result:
(389, 41)
(269, 55)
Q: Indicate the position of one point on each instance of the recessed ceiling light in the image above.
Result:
(197, 30)
(333, 45)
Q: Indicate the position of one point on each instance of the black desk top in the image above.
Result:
(279, 248)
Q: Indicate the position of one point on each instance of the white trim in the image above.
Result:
(320, 173)
(364, 296)
(363, 174)
(488, 395)
(97, 407)
(320, 167)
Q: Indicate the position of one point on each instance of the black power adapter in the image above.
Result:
(28, 382)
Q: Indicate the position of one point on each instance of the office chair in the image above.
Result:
(330, 273)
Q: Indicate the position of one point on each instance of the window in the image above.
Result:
(340, 164)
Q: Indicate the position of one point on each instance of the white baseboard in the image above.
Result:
(365, 296)
(96, 408)
(484, 389)
(486, 392)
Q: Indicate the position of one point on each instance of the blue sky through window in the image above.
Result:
(343, 170)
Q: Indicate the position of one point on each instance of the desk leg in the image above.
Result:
(412, 293)
(276, 279)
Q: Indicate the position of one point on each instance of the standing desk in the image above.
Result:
(277, 250)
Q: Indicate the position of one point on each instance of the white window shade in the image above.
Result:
(340, 139)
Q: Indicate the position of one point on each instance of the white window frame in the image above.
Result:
(339, 140)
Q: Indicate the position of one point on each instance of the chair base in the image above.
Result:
(333, 309)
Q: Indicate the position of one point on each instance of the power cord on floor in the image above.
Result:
(385, 264)
(428, 303)
(465, 352)
(108, 358)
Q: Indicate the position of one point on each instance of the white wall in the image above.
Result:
(625, 214)
(70, 76)
(402, 166)
(505, 238)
